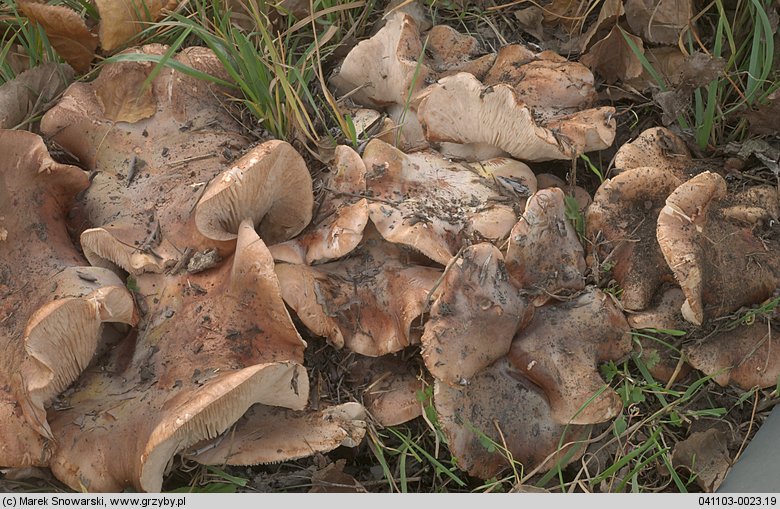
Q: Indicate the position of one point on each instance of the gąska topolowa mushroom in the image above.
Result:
(560, 349)
(52, 305)
(711, 241)
(476, 315)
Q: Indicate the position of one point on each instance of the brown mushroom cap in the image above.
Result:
(745, 357)
(550, 88)
(270, 434)
(209, 346)
(509, 60)
(153, 150)
(621, 224)
(52, 307)
(384, 69)
(561, 348)
(544, 254)
(452, 52)
(658, 147)
(431, 204)
(475, 317)
(391, 387)
(460, 109)
(710, 252)
(341, 216)
(500, 398)
(365, 302)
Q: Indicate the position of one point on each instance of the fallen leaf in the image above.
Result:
(766, 118)
(611, 10)
(568, 13)
(31, 91)
(530, 20)
(121, 20)
(699, 69)
(668, 62)
(705, 454)
(613, 58)
(123, 96)
(659, 21)
(332, 479)
(66, 30)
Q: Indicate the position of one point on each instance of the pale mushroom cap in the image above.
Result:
(341, 216)
(621, 224)
(560, 350)
(500, 397)
(545, 255)
(658, 147)
(385, 67)
(52, 307)
(431, 204)
(270, 185)
(130, 443)
(745, 357)
(711, 272)
(365, 302)
(452, 52)
(475, 317)
(509, 60)
(550, 88)
(391, 387)
(460, 109)
(270, 434)
(153, 150)
(209, 346)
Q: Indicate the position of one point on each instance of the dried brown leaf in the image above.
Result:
(122, 94)
(613, 58)
(121, 20)
(705, 453)
(659, 21)
(766, 118)
(530, 20)
(31, 91)
(611, 10)
(66, 30)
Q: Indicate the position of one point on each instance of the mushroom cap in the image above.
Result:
(621, 224)
(209, 346)
(391, 386)
(560, 349)
(365, 302)
(544, 254)
(500, 398)
(658, 147)
(270, 185)
(384, 69)
(452, 52)
(153, 150)
(341, 216)
(431, 204)
(51, 306)
(662, 313)
(460, 109)
(550, 88)
(744, 357)
(408, 134)
(509, 60)
(270, 434)
(474, 318)
(691, 230)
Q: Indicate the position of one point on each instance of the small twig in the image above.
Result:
(750, 428)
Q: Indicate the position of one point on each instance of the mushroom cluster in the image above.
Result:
(167, 221)
(195, 247)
